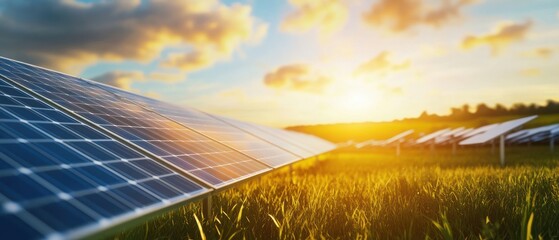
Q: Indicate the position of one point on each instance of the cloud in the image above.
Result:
(402, 15)
(63, 34)
(189, 61)
(297, 77)
(166, 77)
(381, 64)
(531, 72)
(540, 53)
(500, 38)
(120, 79)
(326, 15)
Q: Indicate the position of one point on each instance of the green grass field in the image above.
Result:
(375, 195)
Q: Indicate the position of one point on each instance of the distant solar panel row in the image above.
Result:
(77, 157)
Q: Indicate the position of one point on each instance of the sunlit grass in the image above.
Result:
(377, 195)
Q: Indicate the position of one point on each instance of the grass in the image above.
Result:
(375, 195)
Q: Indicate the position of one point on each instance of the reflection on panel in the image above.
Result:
(59, 177)
(218, 130)
(196, 154)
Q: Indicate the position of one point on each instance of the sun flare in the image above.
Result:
(358, 100)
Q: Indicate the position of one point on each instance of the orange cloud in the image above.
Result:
(119, 79)
(381, 64)
(326, 15)
(120, 30)
(166, 77)
(540, 52)
(402, 15)
(531, 72)
(297, 77)
(190, 61)
(502, 36)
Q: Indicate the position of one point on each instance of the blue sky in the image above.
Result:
(301, 61)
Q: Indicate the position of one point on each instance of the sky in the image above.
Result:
(294, 62)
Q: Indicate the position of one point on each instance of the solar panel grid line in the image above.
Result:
(285, 136)
(68, 166)
(204, 122)
(262, 133)
(113, 135)
(103, 108)
(255, 135)
(180, 123)
(317, 145)
(37, 176)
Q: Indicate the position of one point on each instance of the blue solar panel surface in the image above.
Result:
(202, 157)
(62, 178)
(216, 129)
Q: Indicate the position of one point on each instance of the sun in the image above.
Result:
(358, 100)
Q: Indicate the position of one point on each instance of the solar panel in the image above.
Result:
(462, 133)
(271, 135)
(431, 136)
(316, 144)
(197, 155)
(214, 128)
(496, 131)
(533, 134)
(447, 136)
(60, 178)
(515, 136)
(479, 130)
(398, 137)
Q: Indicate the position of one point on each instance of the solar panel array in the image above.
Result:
(213, 128)
(78, 157)
(496, 131)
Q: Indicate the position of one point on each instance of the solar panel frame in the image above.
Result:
(120, 134)
(91, 228)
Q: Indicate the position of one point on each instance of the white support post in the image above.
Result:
(502, 149)
(398, 149)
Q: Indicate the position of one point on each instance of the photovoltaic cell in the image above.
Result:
(276, 136)
(214, 128)
(60, 177)
(315, 144)
(194, 153)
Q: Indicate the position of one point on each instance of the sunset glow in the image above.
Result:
(270, 62)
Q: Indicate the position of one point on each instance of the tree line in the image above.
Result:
(465, 112)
